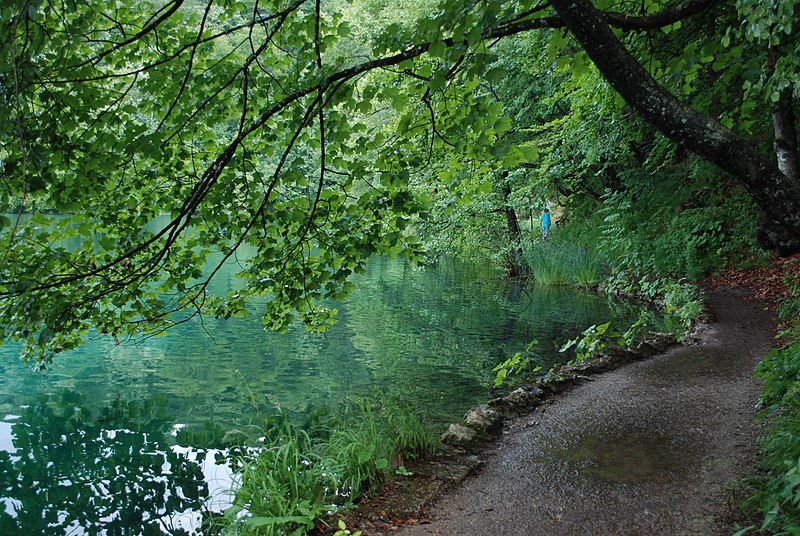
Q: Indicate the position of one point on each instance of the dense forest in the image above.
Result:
(661, 134)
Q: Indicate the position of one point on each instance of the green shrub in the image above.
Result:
(519, 367)
(681, 301)
(675, 224)
(775, 493)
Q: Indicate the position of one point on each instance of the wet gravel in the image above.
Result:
(650, 448)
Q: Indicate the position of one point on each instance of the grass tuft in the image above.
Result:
(556, 263)
(294, 478)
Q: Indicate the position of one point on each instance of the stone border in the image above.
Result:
(484, 423)
(405, 500)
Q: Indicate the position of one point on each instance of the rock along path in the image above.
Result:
(650, 448)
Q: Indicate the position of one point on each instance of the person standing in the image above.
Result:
(545, 223)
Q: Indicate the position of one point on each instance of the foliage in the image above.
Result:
(297, 477)
(771, 27)
(464, 225)
(789, 309)
(299, 139)
(595, 340)
(680, 300)
(517, 364)
(780, 372)
(775, 493)
(678, 226)
(283, 489)
(591, 344)
(344, 531)
(629, 336)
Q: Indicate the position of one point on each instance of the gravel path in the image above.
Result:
(650, 448)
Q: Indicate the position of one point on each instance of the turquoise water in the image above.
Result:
(111, 439)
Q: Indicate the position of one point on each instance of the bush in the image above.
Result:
(775, 494)
(675, 224)
(681, 301)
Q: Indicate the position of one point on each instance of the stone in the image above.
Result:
(524, 397)
(484, 418)
(458, 435)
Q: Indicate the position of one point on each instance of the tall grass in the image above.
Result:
(294, 479)
(558, 263)
(282, 488)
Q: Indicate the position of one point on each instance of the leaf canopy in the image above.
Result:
(147, 143)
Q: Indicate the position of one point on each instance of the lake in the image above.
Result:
(122, 439)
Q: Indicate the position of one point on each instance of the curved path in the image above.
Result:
(650, 448)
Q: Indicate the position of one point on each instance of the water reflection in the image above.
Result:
(428, 336)
(123, 436)
(65, 469)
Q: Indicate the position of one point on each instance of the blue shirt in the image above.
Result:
(545, 220)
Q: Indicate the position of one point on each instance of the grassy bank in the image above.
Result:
(559, 262)
(298, 477)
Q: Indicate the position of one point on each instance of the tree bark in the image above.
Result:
(515, 268)
(777, 197)
(783, 124)
(783, 121)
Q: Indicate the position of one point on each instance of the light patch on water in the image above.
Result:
(12, 506)
(218, 477)
(6, 441)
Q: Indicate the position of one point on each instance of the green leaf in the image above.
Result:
(438, 49)
(107, 243)
(402, 125)
(425, 71)
(530, 152)
(436, 82)
(496, 74)
(271, 521)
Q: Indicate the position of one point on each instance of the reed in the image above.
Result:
(556, 263)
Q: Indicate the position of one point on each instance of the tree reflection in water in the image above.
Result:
(68, 470)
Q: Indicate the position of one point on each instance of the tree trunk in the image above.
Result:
(515, 261)
(783, 121)
(777, 197)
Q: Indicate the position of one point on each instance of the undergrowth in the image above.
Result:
(680, 300)
(772, 498)
(297, 477)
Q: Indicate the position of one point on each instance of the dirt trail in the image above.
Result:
(650, 448)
